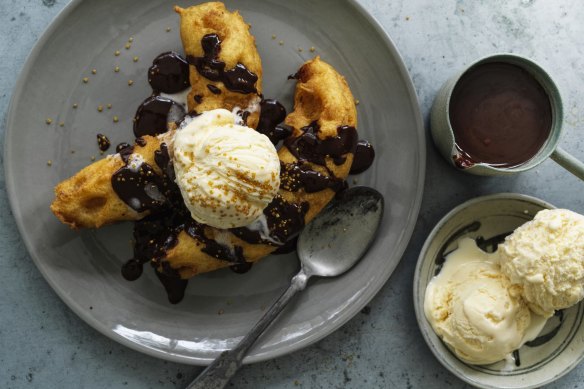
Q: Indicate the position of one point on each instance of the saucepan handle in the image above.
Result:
(568, 162)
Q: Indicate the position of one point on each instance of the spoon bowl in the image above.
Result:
(342, 233)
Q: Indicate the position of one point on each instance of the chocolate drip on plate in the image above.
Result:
(363, 157)
(103, 142)
(152, 116)
(169, 73)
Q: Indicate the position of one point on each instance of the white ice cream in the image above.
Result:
(472, 306)
(227, 173)
(545, 259)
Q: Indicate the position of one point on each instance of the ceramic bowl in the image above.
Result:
(560, 345)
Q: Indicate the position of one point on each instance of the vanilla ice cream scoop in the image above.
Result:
(227, 173)
(545, 258)
(473, 308)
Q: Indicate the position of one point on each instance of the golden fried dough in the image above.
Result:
(321, 95)
(88, 200)
(237, 47)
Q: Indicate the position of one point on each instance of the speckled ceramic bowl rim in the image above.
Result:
(417, 289)
(344, 316)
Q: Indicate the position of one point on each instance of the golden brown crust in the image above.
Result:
(88, 200)
(237, 46)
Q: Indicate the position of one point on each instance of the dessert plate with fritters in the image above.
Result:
(219, 307)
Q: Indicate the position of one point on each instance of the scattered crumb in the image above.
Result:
(168, 29)
(117, 52)
(354, 182)
(75, 105)
(61, 124)
(131, 39)
(101, 152)
(312, 49)
(72, 151)
(407, 18)
(85, 80)
(300, 49)
(49, 163)
(116, 119)
(273, 36)
(93, 158)
(357, 102)
(296, 382)
(127, 46)
(526, 212)
(135, 59)
(100, 108)
(130, 82)
(94, 71)
(220, 312)
(117, 69)
(281, 43)
(109, 106)
(48, 120)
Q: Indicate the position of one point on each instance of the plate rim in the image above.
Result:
(343, 316)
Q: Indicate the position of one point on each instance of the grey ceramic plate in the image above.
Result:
(84, 267)
(560, 345)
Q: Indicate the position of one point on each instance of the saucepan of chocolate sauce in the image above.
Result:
(501, 115)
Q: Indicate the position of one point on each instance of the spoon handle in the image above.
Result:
(222, 369)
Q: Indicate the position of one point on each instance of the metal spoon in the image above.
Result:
(327, 247)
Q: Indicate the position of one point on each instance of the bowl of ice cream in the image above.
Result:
(498, 294)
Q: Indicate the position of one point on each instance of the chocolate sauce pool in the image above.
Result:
(169, 73)
(500, 115)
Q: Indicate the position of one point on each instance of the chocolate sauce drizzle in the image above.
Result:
(169, 73)
(158, 232)
(309, 147)
(238, 79)
(272, 114)
(284, 219)
(143, 188)
(152, 116)
(299, 175)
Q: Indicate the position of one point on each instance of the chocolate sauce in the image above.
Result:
(103, 142)
(158, 232)
(299, 175)
(284, 219)
(169, 73)
(241, 268)
(124, 146)
(239, 79)
(214, 89)
(287, 247)
(132, 270)
(363, 157)
(273, 113)
(152, 116)
(500, 115)
(309, 147)
(140, 187)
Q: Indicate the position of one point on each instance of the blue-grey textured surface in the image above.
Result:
(44, 345)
